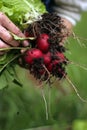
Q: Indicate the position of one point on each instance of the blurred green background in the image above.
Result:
(23, 108)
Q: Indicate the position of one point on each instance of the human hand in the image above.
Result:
(6, 39)
(67, 24)
(67, 31)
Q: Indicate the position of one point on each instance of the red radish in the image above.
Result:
(42, 42)
(42, 72)
(26, 33)
(32, 54)
(60, 56)
(47, 58)
(52, 65)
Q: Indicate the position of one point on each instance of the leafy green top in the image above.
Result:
(20, 11)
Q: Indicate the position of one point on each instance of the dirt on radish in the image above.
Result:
(46, 55)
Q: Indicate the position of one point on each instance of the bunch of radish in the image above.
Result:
(46, 56)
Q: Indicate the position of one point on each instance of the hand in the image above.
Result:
(6, 39)
(68, 31)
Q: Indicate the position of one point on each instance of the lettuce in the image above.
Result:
(20, 11)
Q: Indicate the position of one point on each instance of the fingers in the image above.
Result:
(3, 45)
(7, 38)
(9, 25)
(68, 25)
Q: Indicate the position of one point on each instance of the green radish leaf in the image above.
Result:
(9, 76)
(11, 73)
(2, 58)
(3, 81)
(20, 11)
(21, 38)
